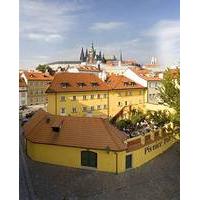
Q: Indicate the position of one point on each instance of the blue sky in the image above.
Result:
(52, 30)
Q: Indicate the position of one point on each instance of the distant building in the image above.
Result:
(22, 92)
(148, 79)
(37, 83)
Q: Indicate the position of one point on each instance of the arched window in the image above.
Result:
(89, 159)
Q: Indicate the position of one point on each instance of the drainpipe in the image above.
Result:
(56, 104)
(108, 105)
(116, 162)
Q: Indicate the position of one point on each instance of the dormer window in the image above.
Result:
(94, 84)
(56, 128)
(81, 84)
(126, 83)
(132, 83)
(64, 84)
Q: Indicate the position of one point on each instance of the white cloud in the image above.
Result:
(105, 26)
(50, 19)
(165, 36)
(44, 37)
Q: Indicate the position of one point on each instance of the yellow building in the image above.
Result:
(81, 94)
(78, 94)
(89, 143)
(124, 92)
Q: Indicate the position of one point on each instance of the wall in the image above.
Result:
(71, 157)
(136, 98)
(36, 92)
(54, 107)
(150, 151)
(153, 90)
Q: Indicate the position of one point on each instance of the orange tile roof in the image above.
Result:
(22, 82)
(72, 81)
(145, 74)
(82, 132)
(38, 76)
(121, 82)
(89, 68)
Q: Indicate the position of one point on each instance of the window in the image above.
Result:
(129, 161)
(89, 159)
(105, 106)
(119, 103)
(92, 108)
(92, 96)
(98, 96)
(84, 109)
(36, 99)
(74, 110)
(74, 98)
(23, 94)
(81, 84)
(84, 97)
(129, 93)
(126, 103)
(94, 84)
(150, 84)
(99, 107)
(62, 98)
(104, 96)
(64, 84)
(141, 92)
(36, 91)
(62, 111)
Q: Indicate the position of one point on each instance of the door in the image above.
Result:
(129, 161)
(89, 159)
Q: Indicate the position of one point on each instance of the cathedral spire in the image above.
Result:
(82, 55)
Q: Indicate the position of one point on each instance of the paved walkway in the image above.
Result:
(156, 180)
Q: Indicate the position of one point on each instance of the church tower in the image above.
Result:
(82, 55)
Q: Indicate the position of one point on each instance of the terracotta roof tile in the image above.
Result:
(83, 132)
(38, 76)
(72, 82)
(89, 69)
(122, 82)
(145, 74)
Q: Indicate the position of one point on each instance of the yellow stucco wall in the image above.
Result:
(148, 152)
(136, 98)
(71, 157)
(55, 104)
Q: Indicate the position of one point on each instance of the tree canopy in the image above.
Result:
(170, 91)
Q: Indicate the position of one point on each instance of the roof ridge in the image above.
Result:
(108, 130)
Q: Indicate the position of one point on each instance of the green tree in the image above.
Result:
(170, 92)
(41, 68)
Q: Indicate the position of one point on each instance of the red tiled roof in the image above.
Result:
(83, 132)
(38, 76)
(72, 81)
(121, 82)
(89, 68)
(145, 74)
